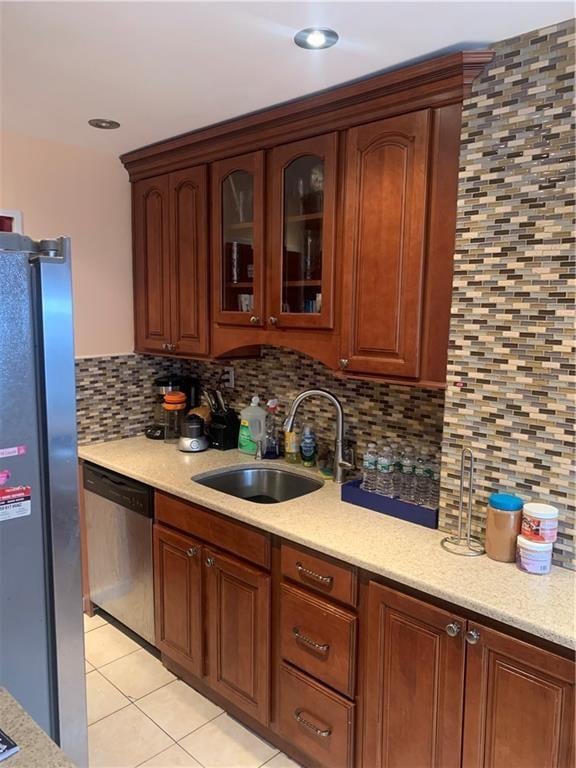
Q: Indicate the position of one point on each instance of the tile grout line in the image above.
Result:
(200, 726)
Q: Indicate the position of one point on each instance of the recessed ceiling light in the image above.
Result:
(105, 125)
(316, 38)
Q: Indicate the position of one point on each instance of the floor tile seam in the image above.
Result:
(130, 653)
(202, 726)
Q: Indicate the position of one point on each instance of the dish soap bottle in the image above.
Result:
(292, 445)
(272, 447)
(308, 447)
(252, 427)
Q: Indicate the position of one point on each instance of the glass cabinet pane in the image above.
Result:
(302, 244)
(238, 242)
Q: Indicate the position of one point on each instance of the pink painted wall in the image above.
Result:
(68, 190)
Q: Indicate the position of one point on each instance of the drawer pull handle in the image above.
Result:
(192, 551)
(324, 733)
(320, 647)
(313, 575)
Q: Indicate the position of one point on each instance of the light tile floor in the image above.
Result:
(140, 714)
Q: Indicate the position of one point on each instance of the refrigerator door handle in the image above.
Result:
(52, 298)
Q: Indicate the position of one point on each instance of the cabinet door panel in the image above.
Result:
(414, 683)
(303, 221)
(188, 204)
(384, 245)
(238, 630)
(152, 274)
(178, 597)
(519, 705)
(238, 241)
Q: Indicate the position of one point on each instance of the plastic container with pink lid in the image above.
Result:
(539, 522)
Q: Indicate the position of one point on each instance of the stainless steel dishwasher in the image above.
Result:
(119, 515)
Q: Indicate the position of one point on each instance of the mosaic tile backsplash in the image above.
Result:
(115, 397)
(512, 328)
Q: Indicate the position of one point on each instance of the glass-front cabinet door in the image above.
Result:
(303, 216)
(238, 232)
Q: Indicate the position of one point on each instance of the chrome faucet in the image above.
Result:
(339, 464)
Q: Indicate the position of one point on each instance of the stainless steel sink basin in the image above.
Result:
(261, 485)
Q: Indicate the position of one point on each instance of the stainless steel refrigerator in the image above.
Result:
(41, 632)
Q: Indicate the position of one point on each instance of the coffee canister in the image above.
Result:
(503, 526)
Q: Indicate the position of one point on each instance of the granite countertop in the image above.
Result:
(401, 551)
(37, 750)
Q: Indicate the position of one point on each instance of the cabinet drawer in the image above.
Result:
(240, 539)
(317, 721)
(319, 638)
(320, 573)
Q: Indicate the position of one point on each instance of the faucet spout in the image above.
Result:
(339, 464)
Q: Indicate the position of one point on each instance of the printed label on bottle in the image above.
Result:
(369, 462)
(384, 466)
(245, 442)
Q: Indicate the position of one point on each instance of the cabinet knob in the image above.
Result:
(192, 552)
(273, 320)
(453, 629)
(210, 562)
(343, 362)
(254, 320)
(472, 636)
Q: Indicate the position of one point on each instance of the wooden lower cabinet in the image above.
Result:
(442, 691)
(519, 708)
(238, 632)
(414, 683)
(434, 689)
(178, 598)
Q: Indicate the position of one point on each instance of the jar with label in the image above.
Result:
(503, 526)
(534, 556)
(540, 522)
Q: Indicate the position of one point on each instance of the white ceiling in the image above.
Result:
(163, 68)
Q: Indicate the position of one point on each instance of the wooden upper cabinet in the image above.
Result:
(302, 214)
(152, 266)
(238, 241)
(384, 245)
(171, 263)
(414, 683)
(178, 598)
(238, 633)
(519, 705)
(189, 249)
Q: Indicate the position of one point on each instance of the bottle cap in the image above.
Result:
(255, 400)
(506, 502)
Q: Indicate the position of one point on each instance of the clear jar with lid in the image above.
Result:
(503, 526)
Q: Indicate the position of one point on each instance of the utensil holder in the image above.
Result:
(468, 545)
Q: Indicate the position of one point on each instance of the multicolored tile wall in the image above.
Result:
(115, 397)
(511, 394)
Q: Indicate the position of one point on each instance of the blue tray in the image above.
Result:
(405, 510)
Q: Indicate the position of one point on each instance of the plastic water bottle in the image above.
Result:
(385, 476)
(434, 485)
(405, 477)
(421, 481)
(369, 468)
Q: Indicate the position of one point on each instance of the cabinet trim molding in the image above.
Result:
(432, 83)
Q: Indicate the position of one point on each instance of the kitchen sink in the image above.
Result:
(261, 485)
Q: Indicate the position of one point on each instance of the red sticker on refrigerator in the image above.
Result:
(14, 502)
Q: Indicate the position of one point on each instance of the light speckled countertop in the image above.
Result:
(398, 550)
(37, 750)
